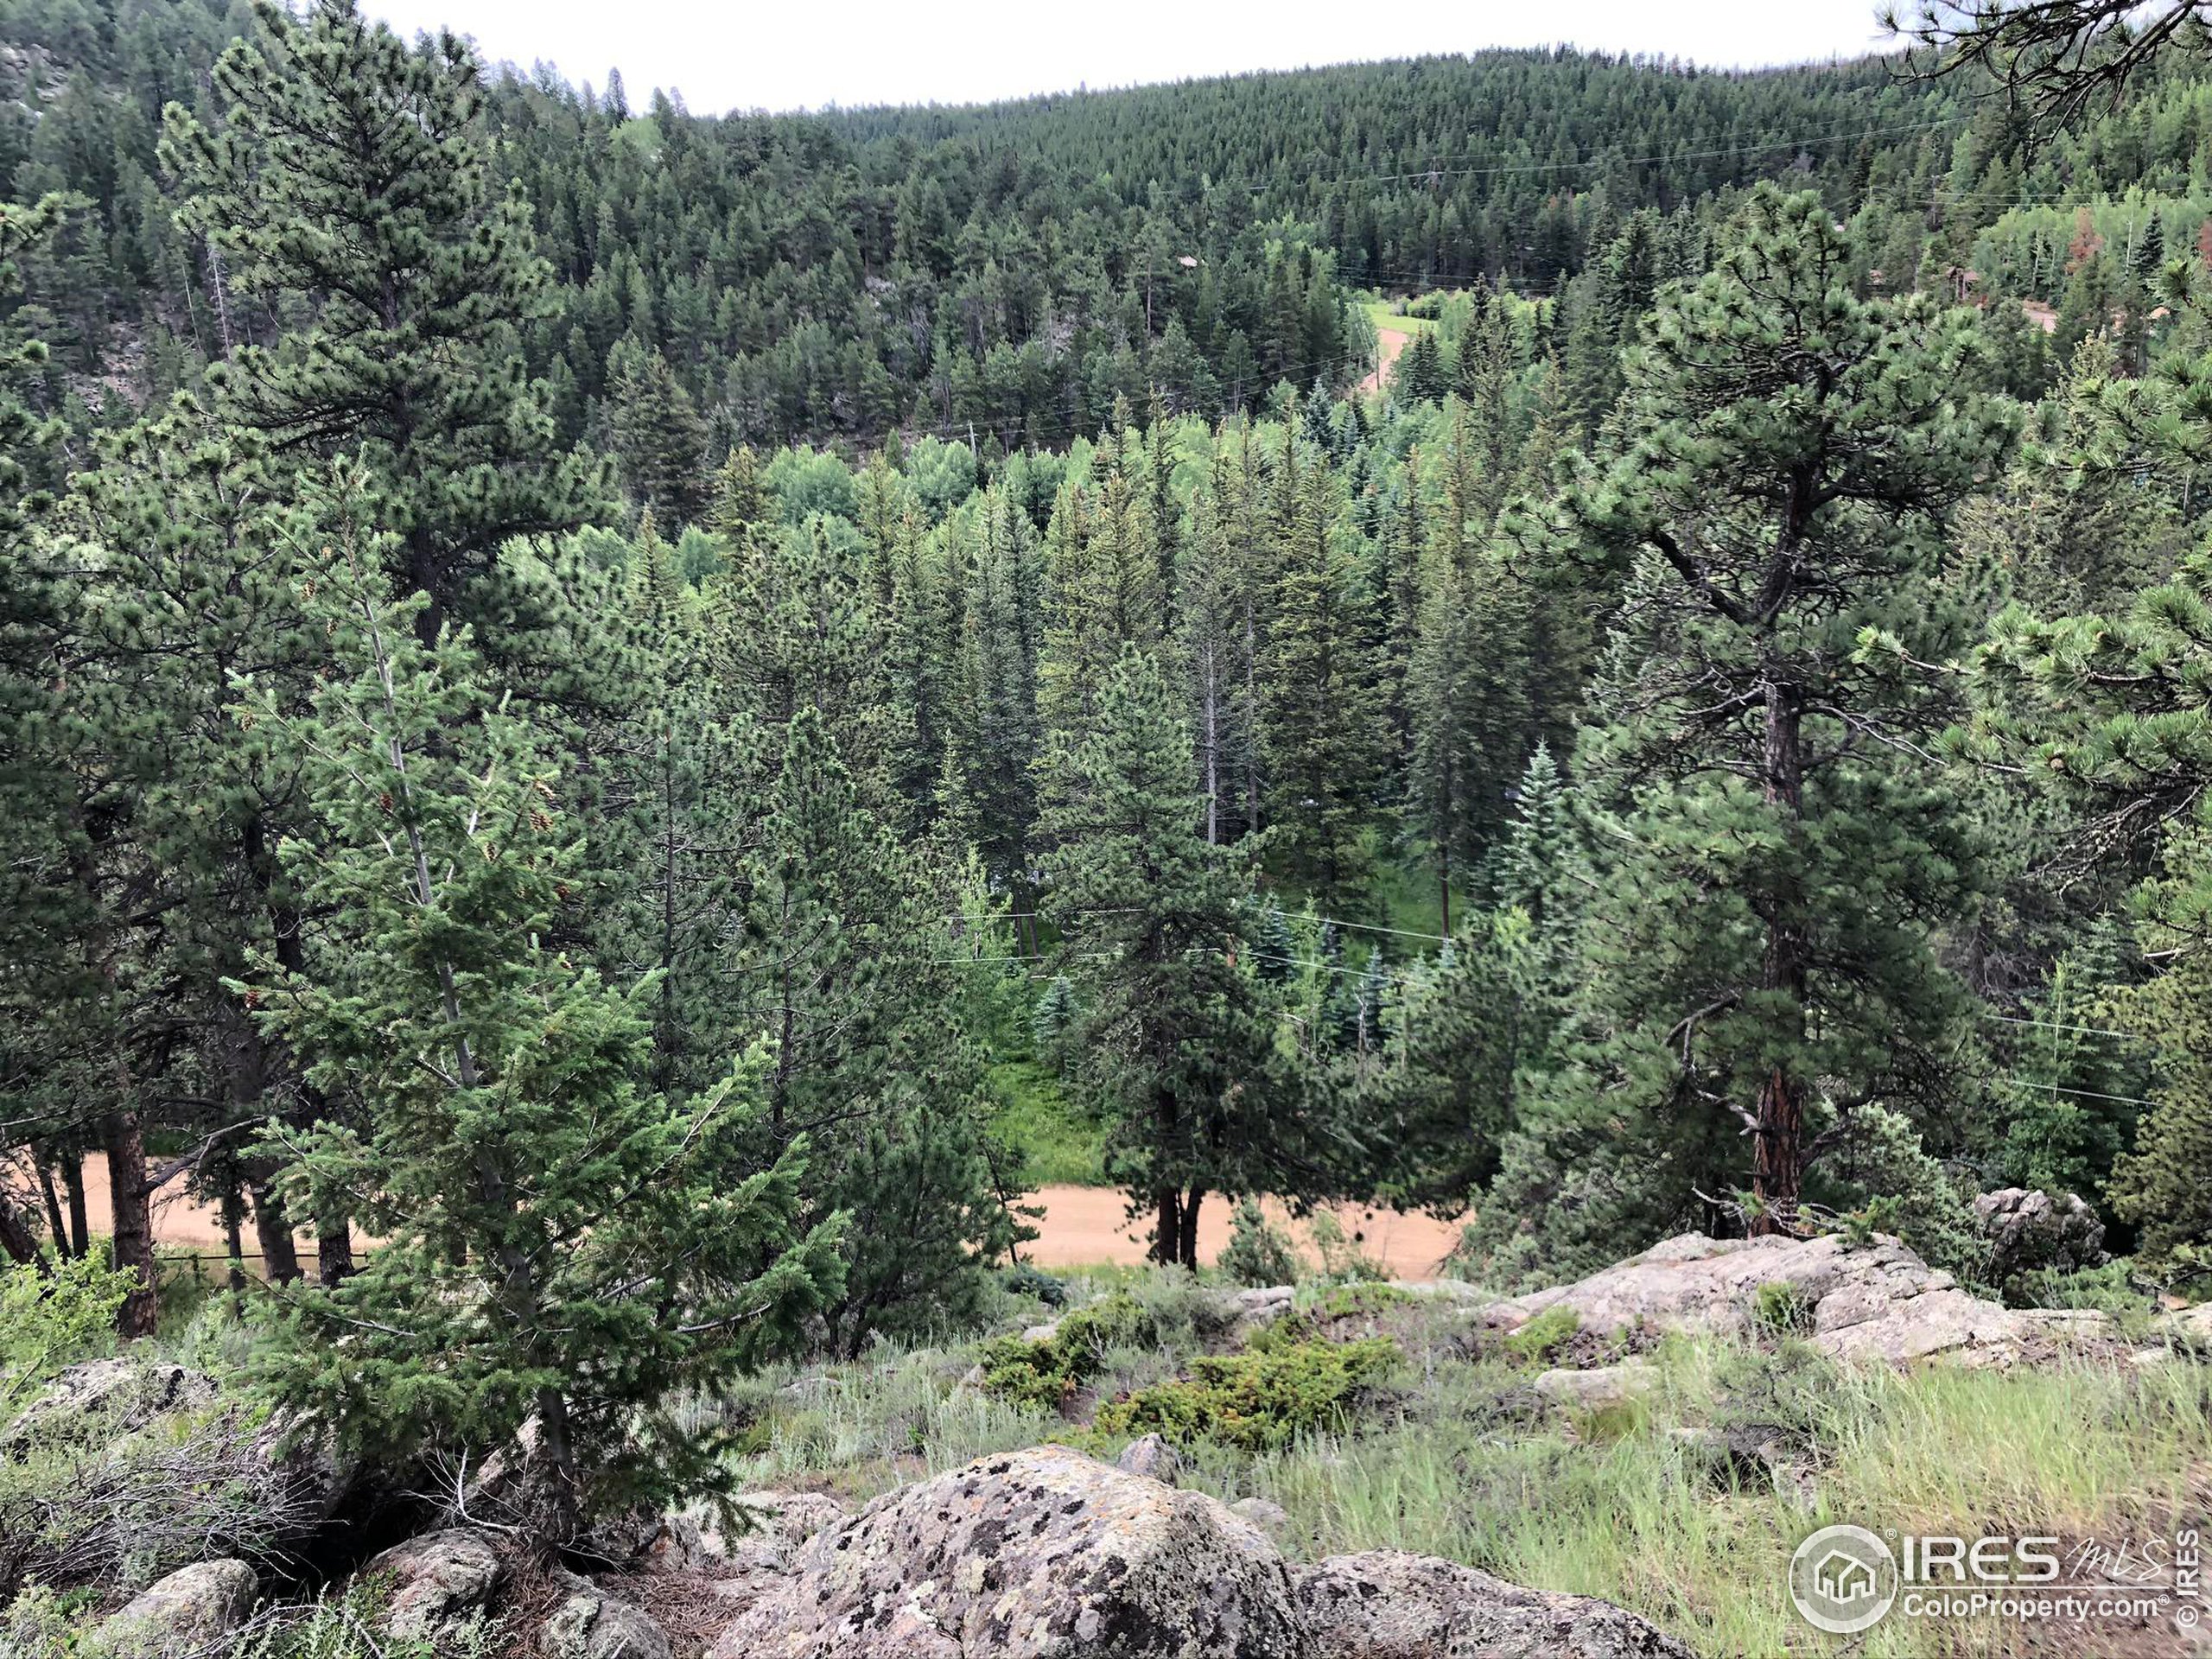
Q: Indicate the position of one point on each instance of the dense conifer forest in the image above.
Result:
(616, 715)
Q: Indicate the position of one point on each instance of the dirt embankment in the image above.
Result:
(1082, 1226)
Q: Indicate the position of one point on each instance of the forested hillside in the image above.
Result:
(1014, 269)
(609, 713)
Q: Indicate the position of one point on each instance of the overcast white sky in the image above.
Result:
(725, 54)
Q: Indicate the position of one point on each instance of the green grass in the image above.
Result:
(1380, 313)
(1060, 1146)
(1455, 1456)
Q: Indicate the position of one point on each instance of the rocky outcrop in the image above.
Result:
(440, 1579)
(1037, 1552)
(2030, 1231)
(589, 1623)
(1385, 1604)
(189, 1611)
(1875, 1301)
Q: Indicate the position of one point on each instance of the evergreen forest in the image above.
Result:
(621, 728)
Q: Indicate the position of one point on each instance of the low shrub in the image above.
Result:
(1357, 1300)
(1048, 1372)
(1030, 1281)
(1539, 1341)
(1783, 1309)
(1259, 1254)
(1260, 1400)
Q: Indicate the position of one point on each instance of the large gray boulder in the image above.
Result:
(1038, 1554)
(2030, 1230)
(1875, 1301)
(590, 1623)
(1385, 1604)
(188, 1613)
(440, 1579)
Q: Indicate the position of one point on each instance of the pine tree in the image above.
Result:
(842, 970)
(558, 1240)
(1178, 1054)
(347, 182)
(1323, 728)
(1795, 457)
(659, 441)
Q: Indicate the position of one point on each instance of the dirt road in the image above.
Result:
(1082, 1226)
(1389, 343)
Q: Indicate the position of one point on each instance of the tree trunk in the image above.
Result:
(73, 1188)
(334, 1241)
(131, 1201)
(16, 1237)
(1168, 1227)
(234, 1236)
(1778, 1158)
(1188, 1239)
(280, 1256)
(54, 1222)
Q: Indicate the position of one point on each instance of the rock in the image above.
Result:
(1036, 1553)
(2029, 1232)
(191, 1610)
(1598, 1387)
(105, 1399)
(2189, 1325)
(441, 1578)
(1385, 1604)
(1264, 1513)
(779, 1523)
(1248, 1310)
(1753, 1455)
(1044, 1332)
(591, 1625)
(1151, 1457)
(1876, 1301)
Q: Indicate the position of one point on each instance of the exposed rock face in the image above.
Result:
(1151, 1457)
(189, 1611)
(1385, 1604)
(2031, 1230)
(1878, 1301)
(1036, 1553)
(442, 1578)
(593, 1625)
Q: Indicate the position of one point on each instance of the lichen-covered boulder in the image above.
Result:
(440, 1579)
(589, 1623)
(2030, 1231)
(1038, 1554)
(1874, 1301)
(1385, 1604)
(189, 1611)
